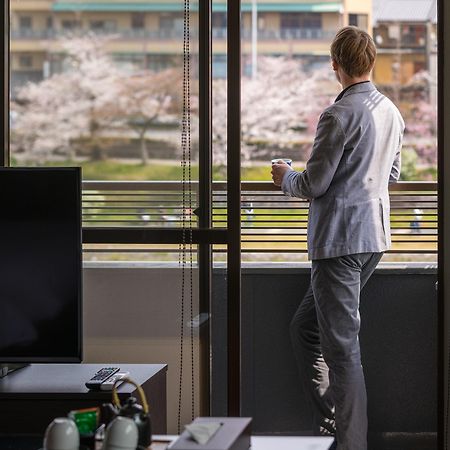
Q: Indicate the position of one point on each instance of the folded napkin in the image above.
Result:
(202, 432)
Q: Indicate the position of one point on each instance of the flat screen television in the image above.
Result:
(40, 265)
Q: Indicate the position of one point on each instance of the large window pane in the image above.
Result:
(100, 85)
(287, 81)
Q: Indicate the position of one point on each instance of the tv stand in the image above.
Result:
(7, 368)
(33, 397)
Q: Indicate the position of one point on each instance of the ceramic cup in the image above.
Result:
(121, 434)
(62, 434)
(286, 160)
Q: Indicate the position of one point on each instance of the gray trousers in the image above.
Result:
(324, 334)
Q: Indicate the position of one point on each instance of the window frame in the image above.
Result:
(205, 235)
(232, 235)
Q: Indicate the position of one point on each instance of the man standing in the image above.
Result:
(356, 154)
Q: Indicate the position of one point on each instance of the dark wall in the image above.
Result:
(398, 341)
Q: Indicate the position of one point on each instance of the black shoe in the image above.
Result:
(334, 445)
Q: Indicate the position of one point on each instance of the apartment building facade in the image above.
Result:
(406, 36)
(147, 34)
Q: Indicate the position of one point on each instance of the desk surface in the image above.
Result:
(273, 442)
(39, 380)
(290, 443)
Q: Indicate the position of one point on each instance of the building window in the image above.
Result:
(291, 21)
(25, 23)
(69, 24)
(359, 20)
(25, 61)
(159, 62)
(137, 21)
(49, 23)
(219, 66)
(103, 25)
(171, 22)
(414, 35)
(219, 20)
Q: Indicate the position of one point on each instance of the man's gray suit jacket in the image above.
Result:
(356, 154)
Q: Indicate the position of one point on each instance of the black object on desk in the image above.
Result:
(33, 396)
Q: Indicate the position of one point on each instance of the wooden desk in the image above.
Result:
(33, 396)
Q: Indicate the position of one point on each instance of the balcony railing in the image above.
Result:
(173, 34)
(271, 221)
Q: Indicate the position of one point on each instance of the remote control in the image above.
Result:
(102, 375)
(109, 383)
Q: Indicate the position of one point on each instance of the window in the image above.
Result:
(103, 25)
(25, 61)
(70, 24)
(173, 22)
(219, 66)
(25, 23)
(300, 20)
(49, 22)
(359, 20)
(414, 35)
(137, 21)
(219, 20)
(160, 62)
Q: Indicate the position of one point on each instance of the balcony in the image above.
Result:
(284, 34)
(398, 306)
(272, 224)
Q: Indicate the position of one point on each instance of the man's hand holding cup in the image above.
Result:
(279, 167)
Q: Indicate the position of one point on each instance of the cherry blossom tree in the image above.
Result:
(150, 98)
(91, 100)
(280, 105)
(73, 106)
(421, 119)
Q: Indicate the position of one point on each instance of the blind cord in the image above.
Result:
(186, 221)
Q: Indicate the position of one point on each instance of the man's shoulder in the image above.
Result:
(372, 101)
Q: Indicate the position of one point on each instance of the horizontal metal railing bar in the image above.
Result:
(135, 185)
(395, 216)
(416, 201)
(303, 241)
(140, 235)
(413, 186)
(139, 214)
(132, 194)
(274, 232)
(126, 222)
(304, 251)
(143, 222)
(138, 202)
(132, 250)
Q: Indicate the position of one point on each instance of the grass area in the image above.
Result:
(112, 170)
(156, 171)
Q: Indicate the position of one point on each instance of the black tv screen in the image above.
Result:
(40, 265)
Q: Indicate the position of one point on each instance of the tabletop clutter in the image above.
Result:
(127, 426)
(113, 426)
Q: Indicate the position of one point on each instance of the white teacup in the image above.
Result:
(62, 434)
(286, 160)
(121, 434)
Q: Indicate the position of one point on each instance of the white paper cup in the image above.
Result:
(62, 434)
(286, 160)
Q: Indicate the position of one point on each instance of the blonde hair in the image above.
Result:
(354, 50)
